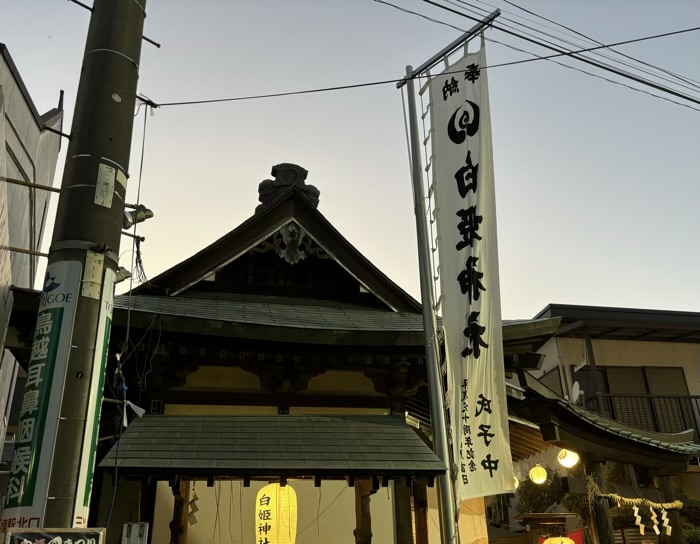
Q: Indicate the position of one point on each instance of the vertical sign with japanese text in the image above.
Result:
(465, 211)
(276, 515)
(38, 419)
(92, 424)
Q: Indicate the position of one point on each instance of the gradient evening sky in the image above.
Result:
(597, 185)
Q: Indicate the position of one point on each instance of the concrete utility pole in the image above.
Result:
(51, 474)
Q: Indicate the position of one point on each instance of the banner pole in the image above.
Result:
(446, 500)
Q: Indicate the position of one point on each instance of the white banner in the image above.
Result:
(465, 210)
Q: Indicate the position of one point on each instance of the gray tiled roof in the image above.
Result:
(268, 446)
(271, 311)
(676, 442)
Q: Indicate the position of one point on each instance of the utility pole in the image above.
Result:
(51, 474)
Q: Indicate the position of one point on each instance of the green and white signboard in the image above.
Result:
(38, 422)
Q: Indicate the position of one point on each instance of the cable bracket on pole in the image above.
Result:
(63, 134)
(30, 184)
(24, 251)
(144, 38)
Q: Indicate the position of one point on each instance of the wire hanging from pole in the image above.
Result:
(135, 238)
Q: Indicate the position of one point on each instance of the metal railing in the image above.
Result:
(658, 413)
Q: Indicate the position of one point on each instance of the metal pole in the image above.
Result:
(446, 498)
(83, 259)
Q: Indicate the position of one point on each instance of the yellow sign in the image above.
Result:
(276, 515)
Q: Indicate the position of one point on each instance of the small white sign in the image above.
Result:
(104, 188)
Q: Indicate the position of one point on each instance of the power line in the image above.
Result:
(548, 58)
(678, 76)
(573, 54)
(388, 81)
(480, 11)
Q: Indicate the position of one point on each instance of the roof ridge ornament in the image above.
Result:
(286, 175)
(292, 243)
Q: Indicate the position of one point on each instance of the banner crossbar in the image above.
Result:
(451, 47)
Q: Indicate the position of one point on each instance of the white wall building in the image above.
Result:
(28, 153)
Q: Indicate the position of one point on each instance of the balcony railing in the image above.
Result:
(665, 414)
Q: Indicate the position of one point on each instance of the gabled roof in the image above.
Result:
(290, 206)
(41, 120)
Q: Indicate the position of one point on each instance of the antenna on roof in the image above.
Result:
(576, 393)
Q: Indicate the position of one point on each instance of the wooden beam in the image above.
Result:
(262, 399)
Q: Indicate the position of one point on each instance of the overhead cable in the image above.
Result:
(462, 4)
(574, 31)
(548, 58)
(388, 81)
(574, 55)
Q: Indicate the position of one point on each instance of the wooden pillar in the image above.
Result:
(181, 504)
(601, 510)
(147, 503)
(363, 517)
(403, 523)
(420, 511)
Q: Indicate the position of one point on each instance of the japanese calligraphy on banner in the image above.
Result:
(276, 515)
(38, 419)
(465, 211)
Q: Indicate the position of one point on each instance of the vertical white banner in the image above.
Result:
(465, 210)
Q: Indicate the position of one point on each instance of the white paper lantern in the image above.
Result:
(276, 514)
(568, 458)
(538, 474)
